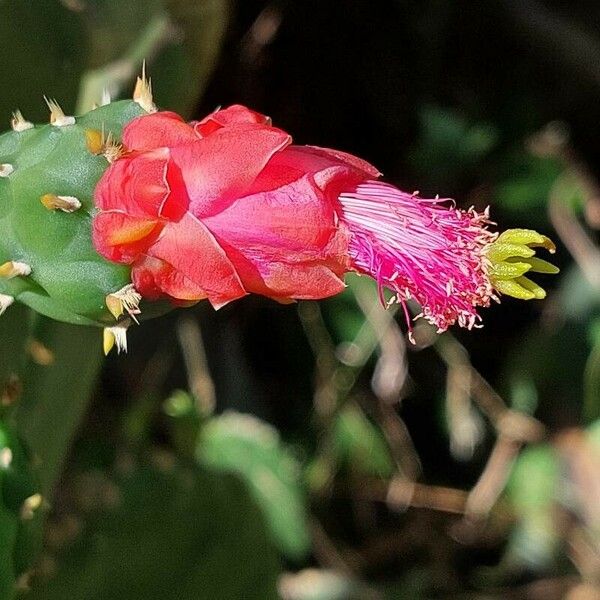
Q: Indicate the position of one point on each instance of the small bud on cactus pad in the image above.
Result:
(103, 216)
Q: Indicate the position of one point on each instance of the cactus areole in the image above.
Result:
(108, 217)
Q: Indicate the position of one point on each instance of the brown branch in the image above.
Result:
(389, 379)
(488, 488)
(328, 553)
(403, 494)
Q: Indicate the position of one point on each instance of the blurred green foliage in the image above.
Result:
(249, 447)
(75, 49)
(167, 531)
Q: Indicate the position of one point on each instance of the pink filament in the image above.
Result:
(420, 248)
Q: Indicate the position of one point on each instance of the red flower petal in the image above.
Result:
(157, 130)
(326, 164)
(144, 185)
(232, 115)
(222, 167)
(193, 251)
(349, 159)
(293, 217)
(284, 281)
(155, 278)
(275, 252)
(135, 184)
(121, 238)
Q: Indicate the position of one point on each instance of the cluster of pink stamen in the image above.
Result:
(425, 249)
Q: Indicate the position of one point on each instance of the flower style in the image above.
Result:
(227, 206)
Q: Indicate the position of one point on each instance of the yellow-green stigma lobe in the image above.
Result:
(511, 256)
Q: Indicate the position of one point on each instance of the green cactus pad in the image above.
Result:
(69, 280)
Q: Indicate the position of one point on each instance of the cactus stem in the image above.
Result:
(126, 299)
(19, 123)
(142, 94)
(30, 505)
(57, 116)
(13, 268)
(5, 302)
(6, 169)
(6, 457)
(116, 335)
(67, 204)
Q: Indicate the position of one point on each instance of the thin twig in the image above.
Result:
(388, 381)
(399, 441)
(199, 379)
(513, 428)
(492, 480)
(402, 494)
(327, 551)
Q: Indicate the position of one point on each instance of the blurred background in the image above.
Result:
(308, 451)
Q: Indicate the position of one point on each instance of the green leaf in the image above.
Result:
(360, 445)
(526, 181)
(245, 445)
(177, 533)
(531, 491)
(20, 515)
(533, 479)
(56, 396)
(449, 145)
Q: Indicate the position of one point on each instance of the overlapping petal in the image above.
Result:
(136, 184)
(190, 247)
(222, 167)
(274, 277)
(154, 278)
(120, 237)
(293, 217)
(158, 130)
(317, 160)
(226, 117)
(278, 254)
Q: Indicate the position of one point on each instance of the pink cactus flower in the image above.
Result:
(227, 206)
